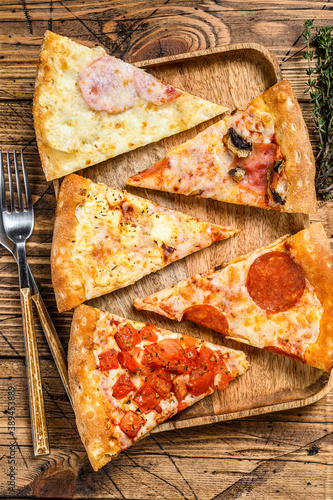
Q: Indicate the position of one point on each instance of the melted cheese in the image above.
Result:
(292, 330)
(120, 238)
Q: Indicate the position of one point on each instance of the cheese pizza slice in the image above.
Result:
(258, 155)
(127, 377)
(279, 298)
(89, 107)
(105, 239)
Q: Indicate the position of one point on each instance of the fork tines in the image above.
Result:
(28, 198)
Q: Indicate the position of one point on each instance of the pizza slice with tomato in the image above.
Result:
(279, 298)
(105, 239)
(127, 377)
(258, 155)
(89, 106)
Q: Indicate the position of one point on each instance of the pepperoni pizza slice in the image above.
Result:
(105, 239)
(278, 298)
(258, 155)
(90, 106)
(127, 377)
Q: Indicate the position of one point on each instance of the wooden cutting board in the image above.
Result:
(230, 75)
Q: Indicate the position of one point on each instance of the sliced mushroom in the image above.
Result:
(237, 174)
(237, 144)
(274, 184)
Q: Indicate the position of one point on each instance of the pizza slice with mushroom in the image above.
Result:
(258, 155)
(279, 298)
(105, 239)
(89, 106)
(128, 377)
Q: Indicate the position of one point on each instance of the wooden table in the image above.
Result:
(279, 456)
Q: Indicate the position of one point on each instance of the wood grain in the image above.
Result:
(286, 455)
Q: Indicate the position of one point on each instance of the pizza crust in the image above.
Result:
(293, 139)
(94, 425)
(71, 136)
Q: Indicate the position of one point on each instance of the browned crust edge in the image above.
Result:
(67, 281)
(311, 250)
(293, 138)
(92, 420)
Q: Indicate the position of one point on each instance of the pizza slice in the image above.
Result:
(258, 155)
(127, 377)
(105, 239)
(279, 298)
(89, 107)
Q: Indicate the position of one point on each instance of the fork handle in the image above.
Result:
(53, 341)
(36, 400)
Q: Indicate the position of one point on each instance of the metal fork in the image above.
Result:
(18, 226)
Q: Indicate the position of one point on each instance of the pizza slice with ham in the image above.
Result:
(105, 239)
(127, 377)
(89, 106)
(258, 155)
(279, 298)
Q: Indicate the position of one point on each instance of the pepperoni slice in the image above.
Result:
(208, 316)
(152, 90)
(123, 387)
(108, 85)
(127, 337)
(108, 360)
(131, 423)
(275, 282)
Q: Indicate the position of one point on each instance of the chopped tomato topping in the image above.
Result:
(131, 423)
(168, 353)
(222, 378)
(158, 409)
(148, 332)
(181, 406)
(206, 359)
(108, 360)
(127, 361)
(179, 386)
(147, 399)
(200, 383)
(115, 322)
(159, 383)
(127, 337)
(123, 387)
(191, 352)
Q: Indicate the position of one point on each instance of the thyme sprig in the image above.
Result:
(320, 88)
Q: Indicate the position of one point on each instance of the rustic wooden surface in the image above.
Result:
(287, 455)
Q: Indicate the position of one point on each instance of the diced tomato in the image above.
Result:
(222, 379)
(179, 386)
(181, 406)
(115, 322)
(123, 387)
(148, 332)
(108, 360)
(168, 353)
(191, 352)
(157, 382)
(131, 423)
(147, 399)
(127, 361)
(127, 337)
(158, 409)
(206, 359)
(200, 383)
